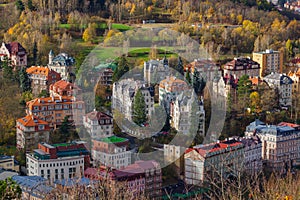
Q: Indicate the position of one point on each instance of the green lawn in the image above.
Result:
(121, 27)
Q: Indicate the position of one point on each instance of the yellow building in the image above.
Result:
(269, 61)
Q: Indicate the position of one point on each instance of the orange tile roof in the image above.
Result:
(64, 85)
(31, 120)
(38, 70)
(255, 80)
(173, 84)
(51, 100)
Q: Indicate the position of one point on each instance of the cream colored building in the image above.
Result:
(269, 61)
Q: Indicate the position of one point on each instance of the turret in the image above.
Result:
(51, 56)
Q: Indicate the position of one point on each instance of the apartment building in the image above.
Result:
(62, 64)
(187, 113)
(156, 71)
(280, 144)
(9, 163)
(54, 109)
(30, 131)
(58, 161)
(123, 96)
(207, 69)
(214, 160)
(105, 76)
(111, 151)
(283, 84)
(295, 76)
(15, 53)
(169, 89)
(242, 66)
(64, 88)
(41, 78)
(142, 177)
(98, 124)
(175, 154)
(269, 61)
(252, 154)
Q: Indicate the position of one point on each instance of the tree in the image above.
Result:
(9, 189)
(139, 108)
(243, 90)
(198, 82)
(24, 80)
(153, 53)
(89, 34)
(34, 53)
(20, 6)
(121, 69)
(44, 93)
(255, 102)
(289, 48)
(179, 66)
(30, 5)
(187, 77)
(7, 71)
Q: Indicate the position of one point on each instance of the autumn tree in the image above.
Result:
(139, 108)
(89, 34)
(20, 5)
(9, 189)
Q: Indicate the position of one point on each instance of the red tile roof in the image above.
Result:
(289, 124)
(64, 85)
(203, 150)
(95, 115)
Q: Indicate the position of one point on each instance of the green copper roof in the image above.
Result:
(113, 139)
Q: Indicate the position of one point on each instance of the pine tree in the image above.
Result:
(24, 80)
(20, 6)
(188, 77)
(179, 66)
(7, 71)
(139, 108)
(122, 68)
(30, 5)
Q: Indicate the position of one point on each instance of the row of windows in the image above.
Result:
(61, 164)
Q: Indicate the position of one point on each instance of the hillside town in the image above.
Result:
(106, 155)
(150, 99)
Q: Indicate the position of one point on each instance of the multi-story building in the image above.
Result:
(280, 144)
(64, 88)
(58, 161)
(174, 154)
(33, 187)
(123, 96)
(252, 154)
(9, 163)
(62, 64)
(215, 160)
(105, 76)
(111, 151)
(169, 89)
(207, 69)
(187, 114)
(242, 66)
(269, 61)
(98, 124)
(295, 76)
(142, 177)
(283, 84)
(295, 5)
(30, 131)
(14, 52)
(54, 109)
(156, 70)
(41, 78)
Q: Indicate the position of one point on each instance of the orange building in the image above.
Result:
(64, 88)
(41, 78)
(54, 109)
(31, 131)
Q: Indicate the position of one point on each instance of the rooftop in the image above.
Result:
(31, 121)
(113, 139)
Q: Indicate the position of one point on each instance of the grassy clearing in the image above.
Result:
(121, 27)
